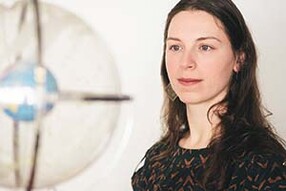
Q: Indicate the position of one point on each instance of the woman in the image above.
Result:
(217, 136)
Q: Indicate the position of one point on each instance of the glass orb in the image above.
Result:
(73, 133)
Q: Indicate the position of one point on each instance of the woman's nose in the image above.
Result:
(188, 60)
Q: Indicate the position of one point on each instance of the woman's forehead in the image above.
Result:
(195, 23)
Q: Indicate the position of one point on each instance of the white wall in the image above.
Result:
(133, 31)
(267, 22)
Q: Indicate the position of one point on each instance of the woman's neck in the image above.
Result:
(201, 123)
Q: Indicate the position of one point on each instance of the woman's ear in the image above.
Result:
(240, 59)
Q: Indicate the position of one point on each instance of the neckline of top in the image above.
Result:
(192, 150)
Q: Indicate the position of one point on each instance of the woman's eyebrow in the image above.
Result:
(208, 37)
(173, 38)
(199, 39)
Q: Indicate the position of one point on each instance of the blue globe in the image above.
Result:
(18, 89)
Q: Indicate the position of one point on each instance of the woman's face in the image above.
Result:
(199, 58)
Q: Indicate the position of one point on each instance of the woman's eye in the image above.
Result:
(206, 48)
(175, 48)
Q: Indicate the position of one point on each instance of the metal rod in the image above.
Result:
(23, 15)
(17, 174)
(38, 29)
(38, 32)
(84, 96)
(35, 159)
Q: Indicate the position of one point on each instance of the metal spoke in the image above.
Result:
(82, 96)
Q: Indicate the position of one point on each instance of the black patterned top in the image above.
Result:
(182, 169)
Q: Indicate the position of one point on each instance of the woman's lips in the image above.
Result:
(189, 81)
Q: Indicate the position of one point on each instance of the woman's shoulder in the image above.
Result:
(261, 147)
(156, 149)
(267, 171)
(264, 161)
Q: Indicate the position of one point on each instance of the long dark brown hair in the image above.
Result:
(244, 128)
